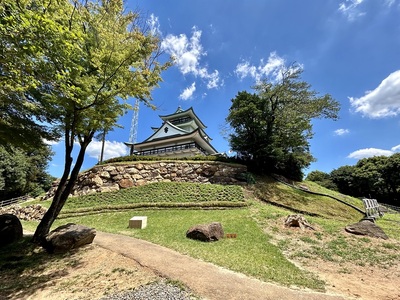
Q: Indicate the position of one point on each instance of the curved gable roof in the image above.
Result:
(179, 113)
(160, 132)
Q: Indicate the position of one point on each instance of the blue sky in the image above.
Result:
(347, 48)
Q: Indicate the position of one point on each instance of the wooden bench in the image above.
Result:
(372, 210)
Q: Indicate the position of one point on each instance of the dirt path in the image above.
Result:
(204, 279)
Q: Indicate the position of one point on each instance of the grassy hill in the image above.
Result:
(299, 200)
(264, 247)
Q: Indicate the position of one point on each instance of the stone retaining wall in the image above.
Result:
(112, 177)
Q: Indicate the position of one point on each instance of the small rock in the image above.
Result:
(206, 232)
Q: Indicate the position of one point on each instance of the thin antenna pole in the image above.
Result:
(134, 126)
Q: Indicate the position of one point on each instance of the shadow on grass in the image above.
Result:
(26, 268)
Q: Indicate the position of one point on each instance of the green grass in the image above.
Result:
(154, 196)
(329, 242)
(261, 239)
(390, 223)
(320, 189)
(159, 193)
(277, 193)
(250, 253)
(355, 250)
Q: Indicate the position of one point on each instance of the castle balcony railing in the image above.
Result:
(171, 149)
(181, 120)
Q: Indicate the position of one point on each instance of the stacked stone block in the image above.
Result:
(112, 177)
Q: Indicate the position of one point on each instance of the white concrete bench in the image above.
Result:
(372, 208)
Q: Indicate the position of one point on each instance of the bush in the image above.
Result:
(246, 177)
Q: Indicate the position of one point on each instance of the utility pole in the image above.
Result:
(103, 140)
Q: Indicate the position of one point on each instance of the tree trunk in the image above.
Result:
(63, 190)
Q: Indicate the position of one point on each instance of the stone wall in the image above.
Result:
(112, 177)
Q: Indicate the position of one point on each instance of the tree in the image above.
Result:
(23, 172)
(322, 178)
(375, 177)
(271, 128)
(343, 178)
(92, 57)
(391, 174)
(23, 121)
(368, 176)
(13, 169)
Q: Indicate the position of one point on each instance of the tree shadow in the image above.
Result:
(26, 268)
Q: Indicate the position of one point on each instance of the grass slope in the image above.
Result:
(261, 237)
(162, 194)
(270, 191)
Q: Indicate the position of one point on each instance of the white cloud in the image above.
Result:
(188, 92)
(384, 101)
(395, 148)
(272, 68)
(389, 3)
(51, 143)
(187, 54)
(111, 149)
(342, 131)
(154, 25)
(213, 80)
(350, 9)
(369, 152)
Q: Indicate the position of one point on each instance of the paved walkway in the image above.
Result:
(204, 279)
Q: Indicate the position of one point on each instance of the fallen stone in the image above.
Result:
(367, 228)
(10, 229)
(206, 232)
(298, 221)
(34, 212)
(67, 237)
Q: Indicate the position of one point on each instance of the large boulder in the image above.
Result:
(10, 229)
(206, 232)
(368, 228)
(67, 237)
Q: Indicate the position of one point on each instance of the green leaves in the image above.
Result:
(75, 62)
(23, 172)
(67, 67)
(375, 177)
(271, 128)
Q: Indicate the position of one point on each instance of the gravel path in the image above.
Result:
(155, 291)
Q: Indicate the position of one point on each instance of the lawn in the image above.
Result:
(263, 246)
(250, 253)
